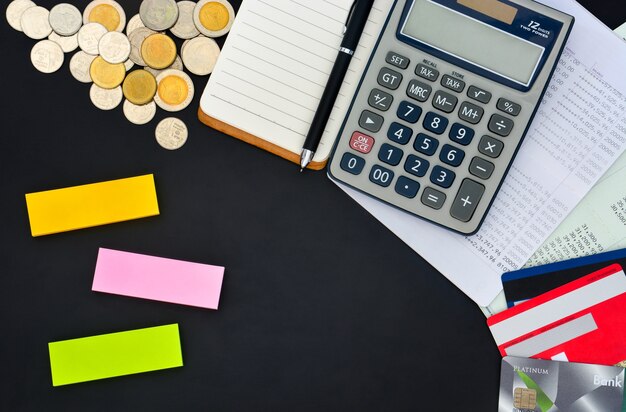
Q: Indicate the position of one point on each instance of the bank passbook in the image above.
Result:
(581, 321)
(546, 386)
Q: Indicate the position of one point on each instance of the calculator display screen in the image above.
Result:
(472, 41)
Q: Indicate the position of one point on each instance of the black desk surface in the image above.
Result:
(322, 307)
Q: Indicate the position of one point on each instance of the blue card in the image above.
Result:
(524, 284)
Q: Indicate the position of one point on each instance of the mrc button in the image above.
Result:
(418, 90)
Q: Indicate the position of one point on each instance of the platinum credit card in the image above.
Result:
(535, 385)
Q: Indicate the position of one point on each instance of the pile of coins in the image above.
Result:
(107, 54)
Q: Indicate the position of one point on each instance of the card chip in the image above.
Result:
(622, 364)
(524, 398)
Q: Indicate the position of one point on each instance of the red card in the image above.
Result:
(581, 321)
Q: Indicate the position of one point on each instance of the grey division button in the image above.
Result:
(452, 83)
(397, 60)
(418, 90)
(371, 121)
(478, 94)
(481, 168)
(470, 112)
(466, 200)
(444, 101)
(380, 100)
(389, 78)
(426, 72)
(433, 198)
(500, 125)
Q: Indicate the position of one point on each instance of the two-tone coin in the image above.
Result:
(65, 19)
(185, 28)
(114, 47)
(89, 37)
(158, 51)
(136, 38)
(139, 87)
(158, 15)
(128, 64)
(46, 56)
(109, 13)
(171, 133)
(35, 24)
(14, 12)
(134, 23)
(105, 99)
(68, 43)
(177, 65)
(79, 66)
(200, 55)
(213, 18)
(175, 90)
(139, 114)
(107, 75)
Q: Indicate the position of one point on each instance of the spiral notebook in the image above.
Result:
(273, 68)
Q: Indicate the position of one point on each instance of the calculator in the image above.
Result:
(448, 94)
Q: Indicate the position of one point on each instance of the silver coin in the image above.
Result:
(185, 27)
(79, 66)
(114, 47)
(171, 133)
(207, 31)
(105, 99)
(139, 114)
(89, 37)
(177, 65)
(95, 3)
(14, 12)
(200, 55)
(158, 15)
(68, 43)
(137, 37)
(46, 56)
(35, 23)
(65, 19)
(134, 23)
(128, 64)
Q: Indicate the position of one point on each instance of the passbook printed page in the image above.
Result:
(577, 134)
(275, 64)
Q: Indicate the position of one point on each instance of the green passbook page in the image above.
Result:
(115, 354)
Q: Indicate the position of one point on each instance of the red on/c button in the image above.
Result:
(361, 142)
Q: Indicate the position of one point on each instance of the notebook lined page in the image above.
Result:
(275, 64)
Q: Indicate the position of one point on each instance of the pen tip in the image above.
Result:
(301, 169)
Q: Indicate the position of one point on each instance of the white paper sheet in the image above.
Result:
(578, 132)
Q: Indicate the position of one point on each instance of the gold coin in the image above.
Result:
(139, 87)
(106, 15)
(107, 75)
(173, 90)
(214, 16)
(158, 51)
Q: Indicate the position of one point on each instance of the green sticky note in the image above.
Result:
(115, 354)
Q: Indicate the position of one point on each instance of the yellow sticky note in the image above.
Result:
(95, 204)
(115, 354)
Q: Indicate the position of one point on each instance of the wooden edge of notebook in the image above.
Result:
(254, 140)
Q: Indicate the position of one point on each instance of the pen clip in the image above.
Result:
(345, 26)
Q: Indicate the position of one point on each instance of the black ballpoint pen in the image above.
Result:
(354, 27)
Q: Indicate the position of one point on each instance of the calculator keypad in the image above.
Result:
(418, 137)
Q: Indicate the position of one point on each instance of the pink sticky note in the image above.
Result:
(157, 278)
